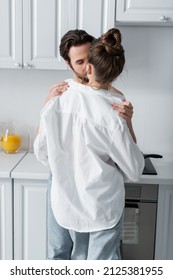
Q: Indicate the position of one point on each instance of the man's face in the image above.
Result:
(78, 60)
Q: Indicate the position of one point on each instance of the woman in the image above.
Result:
(90, 151)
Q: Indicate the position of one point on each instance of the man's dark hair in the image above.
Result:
(75, 37)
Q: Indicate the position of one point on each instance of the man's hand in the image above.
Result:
(56, 90)
(125, 110)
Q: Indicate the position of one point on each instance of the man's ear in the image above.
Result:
(69, 67)
(67, 63)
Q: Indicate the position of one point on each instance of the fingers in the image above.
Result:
(61, 87)
(60, 84)
(56, 90)
(125, 117)
(128, 104)
(125, 109)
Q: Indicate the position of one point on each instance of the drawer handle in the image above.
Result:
(163, 18)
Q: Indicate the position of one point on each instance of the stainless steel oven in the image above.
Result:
(138, 235)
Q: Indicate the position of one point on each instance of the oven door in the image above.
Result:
(138, 235)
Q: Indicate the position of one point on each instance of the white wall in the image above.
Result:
(147, 82)
(22, 94)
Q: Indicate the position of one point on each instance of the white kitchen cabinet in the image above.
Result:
(6, 231)
(46, 21)
(10, 33)
(31, 30)
(23, 207)
(158, 11)
(96, 17)
(7, 164)
(164, 230)
(30, 211)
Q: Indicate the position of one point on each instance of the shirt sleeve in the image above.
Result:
(125, 153)
(40, 145)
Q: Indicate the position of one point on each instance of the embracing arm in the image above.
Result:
(125, 153)
(40, 144)
(125, 110)
(56, 90)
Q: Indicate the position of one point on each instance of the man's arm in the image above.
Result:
(56, 90)
(125, 110)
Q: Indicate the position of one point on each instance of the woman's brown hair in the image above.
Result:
(107, 56)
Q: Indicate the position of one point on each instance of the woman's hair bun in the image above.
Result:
(106, 54)
(112, 41)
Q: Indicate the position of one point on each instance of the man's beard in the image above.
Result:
(79, 76)
(83, 78)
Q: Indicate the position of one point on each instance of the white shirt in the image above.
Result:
(81, 137)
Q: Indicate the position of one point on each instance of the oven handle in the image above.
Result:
(152, 156)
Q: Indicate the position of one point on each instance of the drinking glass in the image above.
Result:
(10, 140)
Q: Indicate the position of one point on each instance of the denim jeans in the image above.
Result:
(65, 244)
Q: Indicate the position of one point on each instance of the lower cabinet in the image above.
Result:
(23, 220)
(164, 230)
(30, 220)
(30, 211)
(6, 220)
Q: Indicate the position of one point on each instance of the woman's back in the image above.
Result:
(85, 137)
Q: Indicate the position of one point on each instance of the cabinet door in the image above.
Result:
(6, 240)
(164, 231)
(45, 22)
(96, 17)
(30, 208)
(10, 33)
(31, 30)
(144, 10)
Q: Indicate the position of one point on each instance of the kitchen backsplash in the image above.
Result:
(147, 82)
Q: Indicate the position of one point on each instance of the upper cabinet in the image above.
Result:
(31, 30)
(10, 33)
(96, 17)
(155, 11)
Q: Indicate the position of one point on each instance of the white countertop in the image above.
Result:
(164, 173)
(30, 168)
(8, 163)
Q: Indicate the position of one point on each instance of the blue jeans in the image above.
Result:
(64, 244)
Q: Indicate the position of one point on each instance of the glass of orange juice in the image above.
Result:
(1, 132)
(10, 141)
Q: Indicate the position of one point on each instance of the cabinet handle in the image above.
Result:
(17, 65)
(26, 65)
(162, 18)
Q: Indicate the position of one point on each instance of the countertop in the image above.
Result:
(164, 173)
(30, 168)
(8, 163)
